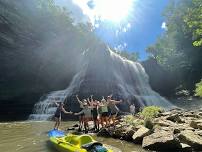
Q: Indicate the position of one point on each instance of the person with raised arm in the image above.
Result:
(81, 116)
(114, 110)
(58, 114)
(94, 105)
(87, 115)
(104, 113)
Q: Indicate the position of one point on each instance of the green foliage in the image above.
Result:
(198, 90)
(150, 112)
(131, 120)
(148, 123)
(193, 20)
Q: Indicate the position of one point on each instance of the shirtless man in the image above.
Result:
(114, 110)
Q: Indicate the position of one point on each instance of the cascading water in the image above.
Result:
(103, 73)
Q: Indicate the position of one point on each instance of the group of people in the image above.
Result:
(103, 113)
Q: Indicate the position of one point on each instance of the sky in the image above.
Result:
(130, 25)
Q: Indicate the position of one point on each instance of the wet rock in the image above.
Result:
(140, 134)
(118, 133)
(104, 133)
(161, 140)
(191, 138)
(129, 134)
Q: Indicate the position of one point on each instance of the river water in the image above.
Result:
(32, 137)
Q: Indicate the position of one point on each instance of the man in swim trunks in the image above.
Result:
(87, 115)
(114, 110)
(94, 106)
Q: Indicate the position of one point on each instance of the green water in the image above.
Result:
(32, 137)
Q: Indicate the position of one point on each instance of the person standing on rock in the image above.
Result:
(114, 110)
(94, 105)
(58, 114)
(132, 109)
(81, 116)
(104, 113)
(87, 115)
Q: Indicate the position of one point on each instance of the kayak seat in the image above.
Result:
(84, 139)
(91, 145)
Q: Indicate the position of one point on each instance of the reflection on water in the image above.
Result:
(32, 137)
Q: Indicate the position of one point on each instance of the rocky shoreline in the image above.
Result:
(174, 130)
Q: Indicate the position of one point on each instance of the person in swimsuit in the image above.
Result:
(81, 116)
(94, 106)
(87, 115)
(114, 110)
(132, 109)
(104, 113)
(58, 112)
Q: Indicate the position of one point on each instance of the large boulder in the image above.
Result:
(163, 122)
(196, 124)
(191, 138)
(104, 133)
(140, 134)
(161, 140)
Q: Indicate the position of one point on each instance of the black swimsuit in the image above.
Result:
(94, 113)
(58, 112)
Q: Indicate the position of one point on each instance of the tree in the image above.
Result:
(193, 20)
(174, 49)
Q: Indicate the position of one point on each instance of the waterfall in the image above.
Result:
(103, 73)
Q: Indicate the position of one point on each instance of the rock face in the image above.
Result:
(140, 134)
(161, 140)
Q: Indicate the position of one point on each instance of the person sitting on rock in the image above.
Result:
(114, 110)
(58, 112)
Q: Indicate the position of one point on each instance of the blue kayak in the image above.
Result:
(56, 133)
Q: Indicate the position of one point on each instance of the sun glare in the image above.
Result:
(112, 10)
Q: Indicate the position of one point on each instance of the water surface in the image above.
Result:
(32, 137)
